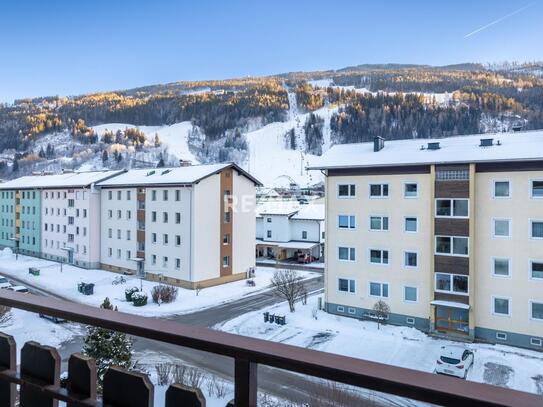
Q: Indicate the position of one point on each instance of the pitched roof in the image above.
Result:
(521, 146)
(66, 180)
(171, 176)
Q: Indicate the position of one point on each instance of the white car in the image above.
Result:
(454, 361)
(19, 288)
(4, 283)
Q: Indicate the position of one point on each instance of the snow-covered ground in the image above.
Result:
(399, 346)
(64, 284)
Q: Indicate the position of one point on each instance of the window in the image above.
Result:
(351, 310)
(501, 267)
(502, 189)
(537, 189)
(536, 229)
(153, 195)
(110, 195)
(304, 234)
(346, 190)
(269, 234)
(346, 253)
(128, 195)
(165, 195)
(109, 251)
(153, 237)
(536, 341)
(536, 269)
(378, 190)
(226, 261)
(177, 240)
(165, 239)
(109, 213)
(118, 233)
(153, 259)
(378, 256)
(71, 203)
(128, 235)
(177, 195)
(119, 214)
(128, 215)
(165, 261)
(410, 190)
(457, 208)
(177, 217)
(500, 306)
(378, 222)
(379, 290)
(501, 228)
(452, 175)
(177, 261)
(410, 294)
(340, 308)
(451, 283)
(411, 224)
(410, 320)
(226, 239)
(452, 245)
(501, 336)
(118, 253)
(84, 213)
(226, 217)
(119, 193)
(165, 217)
(410, 259)
(269, 220)
(537, 310)
(346, 286)
(346, 222)
(153, 216)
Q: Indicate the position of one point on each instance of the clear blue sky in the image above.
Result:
(72, 47)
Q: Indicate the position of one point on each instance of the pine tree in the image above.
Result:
(15, 167)
(157, 140)
(105, 157)
(41, 154)
(107, 348)
(160, 163)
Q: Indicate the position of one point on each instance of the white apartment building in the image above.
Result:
(288, 230)
(448, 232)
(70, 217)
(192, 226)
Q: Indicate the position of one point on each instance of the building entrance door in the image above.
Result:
(450, 319)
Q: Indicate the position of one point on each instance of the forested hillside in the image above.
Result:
(392, 101)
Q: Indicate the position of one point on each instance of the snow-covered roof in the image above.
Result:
(292, 209)
(450, 304)
(291, 244)
(170, 176)
(65, 180)
(516, 146)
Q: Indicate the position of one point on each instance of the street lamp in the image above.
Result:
(16, 247)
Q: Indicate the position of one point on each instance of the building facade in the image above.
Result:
(191, 226)
(449, 235)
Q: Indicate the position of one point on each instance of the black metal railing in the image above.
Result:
(38, 375)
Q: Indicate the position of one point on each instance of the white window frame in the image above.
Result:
(404, 190)
(532, 188)
(452, 246)
(510, 228)
(381, 283)
(349, 184)
(410, 320)
(349, 249)
(452, 208)
(382, 217)
(531, 221)
(503, 336)
(381, 187)
(351, 311)
(410, 301)
(404, 262)
(349, 280)
(530, 314)
(451, 291)
(340, 308)
(382, 263)
(350, 226)
(536, 341)
(493, 266)
(493, 306)
(405, 224)
(530, 271)
(494, 189)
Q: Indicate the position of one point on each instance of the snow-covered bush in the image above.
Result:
(139, 299)
(129, 292)
(164, 293)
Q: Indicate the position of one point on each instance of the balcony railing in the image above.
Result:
(38, 375)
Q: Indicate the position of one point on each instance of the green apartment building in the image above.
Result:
(7, 218)
(29, 216)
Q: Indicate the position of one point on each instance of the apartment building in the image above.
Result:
(55, 217)
(192, 226)
(289, 230)
(448, 232)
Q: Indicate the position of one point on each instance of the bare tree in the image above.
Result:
(382, 309)
(288, 284)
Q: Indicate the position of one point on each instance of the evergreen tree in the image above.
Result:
(105, 157)
(107, 348)
(15, 167)
(160, 163)
(157, 140)
(41, 154)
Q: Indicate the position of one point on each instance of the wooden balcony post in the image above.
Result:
(179, 395)
(8, 361)
(245, 383)
(81, 377)
(127, 389)
(39, 364)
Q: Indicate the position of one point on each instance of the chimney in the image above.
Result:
(378, 143)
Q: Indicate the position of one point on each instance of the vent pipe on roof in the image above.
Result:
(434, 145)
(378, 143)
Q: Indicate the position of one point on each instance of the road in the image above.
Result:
(280, 383)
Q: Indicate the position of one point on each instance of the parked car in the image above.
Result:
(19, 288)
(454, 360)
(4, 283)
(56, 320)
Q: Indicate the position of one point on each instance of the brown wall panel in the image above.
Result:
(227, 184)
(451, 227)
(451, 264)
(452, 189)
(464, 299)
